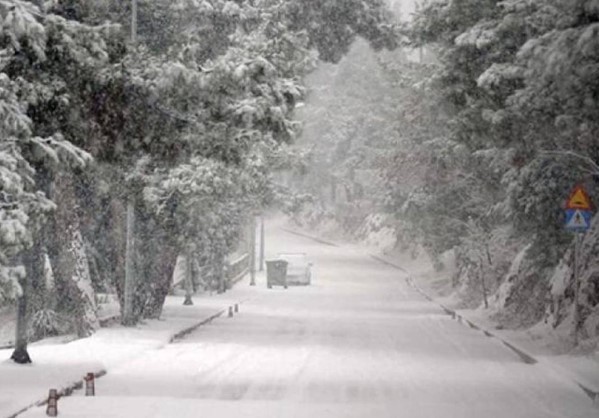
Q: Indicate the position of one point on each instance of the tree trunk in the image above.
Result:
(156, 258)
(188, 278)
(128, 317)
(333, 190)
(161, 281)
(115, 248)
(483, 284)
(87, 320)
(72, 272)
(219, 271)
(20, 354)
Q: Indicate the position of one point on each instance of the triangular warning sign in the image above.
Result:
(578, 220)
(579, 199)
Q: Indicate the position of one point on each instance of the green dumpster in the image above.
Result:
(276, 273)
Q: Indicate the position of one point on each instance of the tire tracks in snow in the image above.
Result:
(527, 358)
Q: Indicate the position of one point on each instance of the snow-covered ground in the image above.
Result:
(358, 342)
(108, 309)
(542, 342)
(58, 365)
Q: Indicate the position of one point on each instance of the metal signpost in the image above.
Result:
(579, 211)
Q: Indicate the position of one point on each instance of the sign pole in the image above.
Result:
(576, 315)
(579, 211)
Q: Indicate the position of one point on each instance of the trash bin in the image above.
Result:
(276, 273)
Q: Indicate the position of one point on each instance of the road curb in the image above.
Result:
(312, 237)
(382, 260)
(183, 333)
(64, 391)
(109, 320)
(522, 354)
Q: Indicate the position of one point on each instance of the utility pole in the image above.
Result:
(261, 264)
(252, 250)
(129, 265)
(128, 298)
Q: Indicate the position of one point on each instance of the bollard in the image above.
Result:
(230, 312)
(52, 408)
(90, 384)
(236, 308)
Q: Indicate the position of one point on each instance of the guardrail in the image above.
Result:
(233, 272)
(237, 269)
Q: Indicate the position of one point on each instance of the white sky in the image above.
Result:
(406, 7)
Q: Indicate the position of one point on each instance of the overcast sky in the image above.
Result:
(405, 7)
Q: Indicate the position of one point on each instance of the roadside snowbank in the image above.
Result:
(60, 366)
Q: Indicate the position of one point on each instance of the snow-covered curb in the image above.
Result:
(178, 322)
(66, 390)
(312, 237)
(591, 392)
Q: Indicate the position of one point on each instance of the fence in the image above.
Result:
(211, 279)
(237, 269)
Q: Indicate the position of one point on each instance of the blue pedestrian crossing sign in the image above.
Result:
(578, 220)
(579, 210)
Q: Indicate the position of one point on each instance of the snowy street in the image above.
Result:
(428, 169)
(358, 342)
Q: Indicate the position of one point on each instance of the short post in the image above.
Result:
(52, 408)
(230, 312)
(236, 308)
(90, 384)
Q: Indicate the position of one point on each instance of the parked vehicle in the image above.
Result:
(299, 268)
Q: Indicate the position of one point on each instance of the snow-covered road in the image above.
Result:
(359, 342)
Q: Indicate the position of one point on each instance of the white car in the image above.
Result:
(299, 269)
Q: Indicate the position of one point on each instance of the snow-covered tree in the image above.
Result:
(40, 53)
(519, 78)
(213, 84)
